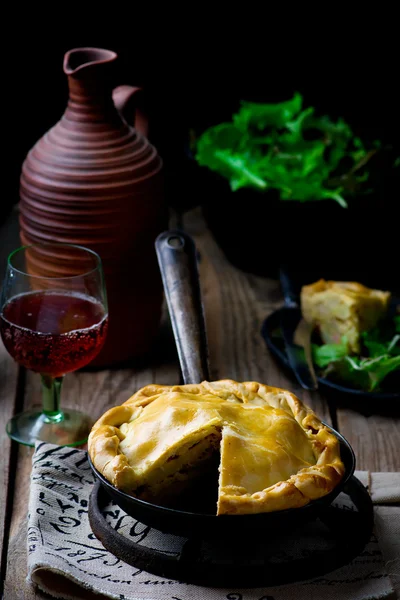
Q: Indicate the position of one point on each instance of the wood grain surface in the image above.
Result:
(8, 391)
(375, 439)
(235, 305)
(8, 385)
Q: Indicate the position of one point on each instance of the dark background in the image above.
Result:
(195, 75)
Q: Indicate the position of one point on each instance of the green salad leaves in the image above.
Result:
(380, 356)
(285, 147)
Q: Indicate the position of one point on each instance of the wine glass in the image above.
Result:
(53, 320)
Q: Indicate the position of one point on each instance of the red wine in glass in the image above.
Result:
(53, 320)
(53, 333)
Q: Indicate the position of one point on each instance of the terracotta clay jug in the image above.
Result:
(94, 180)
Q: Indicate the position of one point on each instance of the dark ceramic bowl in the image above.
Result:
(258, 232)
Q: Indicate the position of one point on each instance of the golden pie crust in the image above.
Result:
(275, 453)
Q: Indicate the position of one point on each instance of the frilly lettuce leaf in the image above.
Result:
(365, 373)
(328, 353)
(380, 357)
(260, 116)
(287, 148)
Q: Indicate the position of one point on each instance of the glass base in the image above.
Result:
(72, 429)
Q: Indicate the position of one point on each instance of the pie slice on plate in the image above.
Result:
(343, 309)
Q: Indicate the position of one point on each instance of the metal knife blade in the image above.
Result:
(297, 336)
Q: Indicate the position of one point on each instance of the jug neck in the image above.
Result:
(89, 72)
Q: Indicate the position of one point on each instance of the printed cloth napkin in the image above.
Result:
(67, 561)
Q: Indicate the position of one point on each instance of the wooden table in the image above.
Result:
(235, 304)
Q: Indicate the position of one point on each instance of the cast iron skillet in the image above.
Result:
(195, 516)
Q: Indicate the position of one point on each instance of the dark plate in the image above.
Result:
(269, 330)
(195, 516)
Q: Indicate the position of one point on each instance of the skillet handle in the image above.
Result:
(176, 253)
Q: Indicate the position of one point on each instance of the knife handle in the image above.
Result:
(291, 298)
(176, 253)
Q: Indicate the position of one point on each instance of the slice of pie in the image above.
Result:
(343, 309)
(274, 452)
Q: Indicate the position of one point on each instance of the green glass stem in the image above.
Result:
(51, 395)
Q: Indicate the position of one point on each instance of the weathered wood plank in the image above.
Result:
(8, 384)
(375, 439)
(236, 304)
(8, 387)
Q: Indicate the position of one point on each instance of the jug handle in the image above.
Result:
(125, 98)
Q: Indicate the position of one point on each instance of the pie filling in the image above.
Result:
(188, 463)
